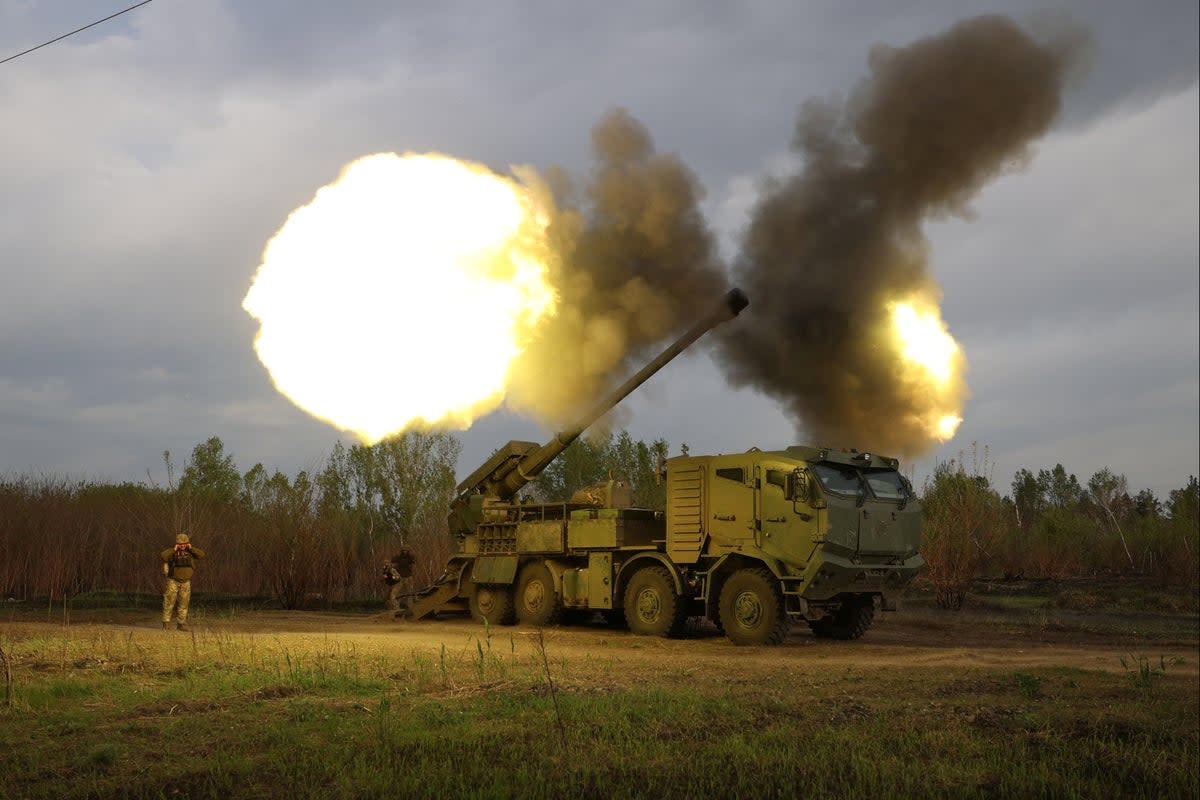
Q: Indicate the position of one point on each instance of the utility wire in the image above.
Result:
(72, 33)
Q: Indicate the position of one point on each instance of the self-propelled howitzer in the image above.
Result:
(752, 541)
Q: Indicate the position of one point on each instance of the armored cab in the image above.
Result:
(804, 533)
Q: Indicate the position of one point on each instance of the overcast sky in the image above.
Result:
(145, 162)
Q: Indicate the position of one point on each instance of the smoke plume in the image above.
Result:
(829, 248)
(636, 263)
(559, 284)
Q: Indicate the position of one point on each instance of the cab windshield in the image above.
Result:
(885, 484)
(838, 479)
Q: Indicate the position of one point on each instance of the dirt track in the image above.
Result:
(921, 639)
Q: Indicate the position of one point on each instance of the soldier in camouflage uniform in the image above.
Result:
(178, 566)
(397, 574)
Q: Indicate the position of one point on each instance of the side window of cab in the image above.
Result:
(736, 474)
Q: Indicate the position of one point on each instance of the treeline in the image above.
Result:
(1049, 525)
(588, 462)
(321, 536)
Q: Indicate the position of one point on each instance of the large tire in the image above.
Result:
(493, 603)
(752, 609)
(537, 601)
(850, 621)
(652, 607)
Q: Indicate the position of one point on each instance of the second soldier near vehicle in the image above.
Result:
(397, 574)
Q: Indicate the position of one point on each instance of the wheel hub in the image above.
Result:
(648, 605)
(486, 600)
(535, 595)
(747, 610)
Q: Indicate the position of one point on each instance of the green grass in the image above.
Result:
(100, 712)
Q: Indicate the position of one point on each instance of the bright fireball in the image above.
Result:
(934, 365)
(400, 294)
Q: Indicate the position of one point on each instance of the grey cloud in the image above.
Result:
(152, 160)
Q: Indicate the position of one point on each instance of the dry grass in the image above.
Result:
(322, 705)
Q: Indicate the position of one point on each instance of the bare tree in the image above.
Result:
(1106, 490)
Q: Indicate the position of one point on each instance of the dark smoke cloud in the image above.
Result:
(636, 263)
(828, 247)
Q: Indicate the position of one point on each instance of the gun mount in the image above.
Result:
(517, 463)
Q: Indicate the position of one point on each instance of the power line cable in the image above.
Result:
(72, 33)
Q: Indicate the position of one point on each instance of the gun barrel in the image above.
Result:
(532, 464)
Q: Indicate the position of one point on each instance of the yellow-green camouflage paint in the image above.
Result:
(540, 537)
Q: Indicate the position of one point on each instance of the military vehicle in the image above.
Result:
(752, 541)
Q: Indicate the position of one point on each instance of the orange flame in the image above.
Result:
(935, 364)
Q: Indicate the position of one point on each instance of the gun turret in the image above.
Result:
(517, 463)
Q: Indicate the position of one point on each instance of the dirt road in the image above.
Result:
(924, 639)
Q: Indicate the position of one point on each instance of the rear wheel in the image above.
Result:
(492, 603)
(752, 610)
(652, 607)
(537, 601)
(850, 621)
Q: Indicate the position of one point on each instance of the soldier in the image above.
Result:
(178, 566)
(397, 574)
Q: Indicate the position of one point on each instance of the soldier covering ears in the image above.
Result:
(178, 565)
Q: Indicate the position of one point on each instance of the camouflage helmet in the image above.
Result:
(181, 538)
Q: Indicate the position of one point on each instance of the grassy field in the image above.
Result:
(101, 703)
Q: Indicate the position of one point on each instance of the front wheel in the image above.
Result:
(493, 604)
(652, 607)
(850, 621)
(752, 609)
